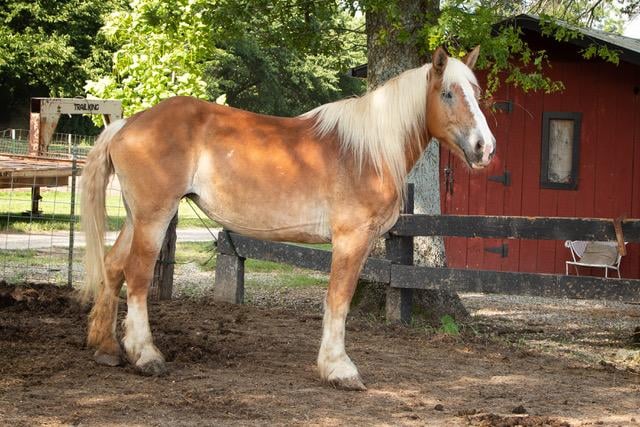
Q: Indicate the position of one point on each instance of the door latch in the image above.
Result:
(448, 180)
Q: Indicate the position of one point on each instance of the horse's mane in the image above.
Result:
(379, 125)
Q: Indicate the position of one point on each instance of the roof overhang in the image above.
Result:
(628, 48)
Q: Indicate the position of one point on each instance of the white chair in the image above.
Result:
(594, 254)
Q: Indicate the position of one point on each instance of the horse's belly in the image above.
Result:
(266, 212)
(308, 224)
(271, 194)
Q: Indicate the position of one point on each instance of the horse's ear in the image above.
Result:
(471, 57)
(439, 61)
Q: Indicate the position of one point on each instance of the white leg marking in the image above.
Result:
(138, 342)
(333, 362)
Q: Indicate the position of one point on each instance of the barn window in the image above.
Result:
(560, 150)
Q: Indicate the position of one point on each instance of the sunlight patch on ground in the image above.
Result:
(107, 399)
(483, 380)
(494, 312)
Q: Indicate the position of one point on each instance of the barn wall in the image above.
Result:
(609, 166)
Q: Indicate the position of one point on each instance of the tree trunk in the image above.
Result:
(392, 49)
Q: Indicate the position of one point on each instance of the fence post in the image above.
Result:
(72, 216)
(399, 250)
(162, 283)
(229, 282)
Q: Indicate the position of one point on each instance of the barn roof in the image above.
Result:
(628, 48)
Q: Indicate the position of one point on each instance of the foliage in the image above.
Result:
(163, 47)
(272, 56)
(504, 53)
(449, 326)
(463, 24)
(46, 48)
(48, 42)
(277, 57)
(277, 81)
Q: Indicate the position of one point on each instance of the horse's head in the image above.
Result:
(453, 114)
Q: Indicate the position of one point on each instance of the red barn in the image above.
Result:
(572, 154)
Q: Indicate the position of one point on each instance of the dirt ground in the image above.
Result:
(255, 365)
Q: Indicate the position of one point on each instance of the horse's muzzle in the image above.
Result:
(479, 153)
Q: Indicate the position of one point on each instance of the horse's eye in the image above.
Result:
(447, 94)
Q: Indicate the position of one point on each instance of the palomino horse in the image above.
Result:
(335, 174)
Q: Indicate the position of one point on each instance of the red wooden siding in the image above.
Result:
(608, 176)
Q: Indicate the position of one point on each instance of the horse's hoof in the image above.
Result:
(153, 368)
(107, 359)
(351, 384)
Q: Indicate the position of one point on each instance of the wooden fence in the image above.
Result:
(398, 271)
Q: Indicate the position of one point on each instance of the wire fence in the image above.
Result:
(40, 240)
(16, 142)
(40, 237)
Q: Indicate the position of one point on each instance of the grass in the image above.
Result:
(32, 257)
(449, 326)
(204, 254)
(56, 204)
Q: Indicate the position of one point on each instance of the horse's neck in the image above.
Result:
(414, 148)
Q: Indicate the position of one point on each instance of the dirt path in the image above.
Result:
(13, 241)
(247, 365)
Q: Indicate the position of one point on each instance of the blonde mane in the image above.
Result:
(379, 125)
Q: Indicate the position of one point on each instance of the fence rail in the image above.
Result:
(514, 283)
(515, 227)
(397, 270)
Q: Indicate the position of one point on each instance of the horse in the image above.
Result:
(334, 174)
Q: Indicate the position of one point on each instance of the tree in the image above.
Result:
(278, 57)
(394, 39)
(162, 52)
(46, 49)
(286, 57)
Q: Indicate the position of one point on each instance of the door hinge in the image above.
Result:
(502, 250)
(505, 178)
(506, 106)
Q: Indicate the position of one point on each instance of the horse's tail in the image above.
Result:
(95, 177)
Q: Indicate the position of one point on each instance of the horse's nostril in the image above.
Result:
(479, 146)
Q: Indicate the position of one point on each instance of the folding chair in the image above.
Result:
(594, 254)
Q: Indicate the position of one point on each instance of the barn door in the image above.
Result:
(467, 192)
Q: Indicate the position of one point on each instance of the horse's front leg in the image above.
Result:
(350, 250)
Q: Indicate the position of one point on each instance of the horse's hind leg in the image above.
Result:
(102, 324)
(148, 235)
(350, 250)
